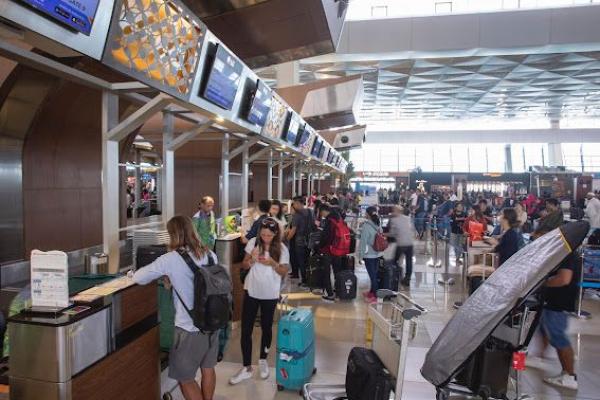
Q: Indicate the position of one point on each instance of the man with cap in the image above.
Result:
(592, 210)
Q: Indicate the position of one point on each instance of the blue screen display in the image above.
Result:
(78, 14)
(304, 137)
(224, 79)
(322, 151)
(291, 135)
(261, 104)
(316, 150)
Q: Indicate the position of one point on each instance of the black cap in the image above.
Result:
(575, 232)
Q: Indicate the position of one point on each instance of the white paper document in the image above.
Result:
(49, 279)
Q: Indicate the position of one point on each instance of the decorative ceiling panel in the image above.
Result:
(533, 86)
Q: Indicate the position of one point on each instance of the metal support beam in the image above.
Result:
(187, 136)
(245, 177)
(294, 167)
(168, 170)
(270, 175)
(224, 184)
(259, 154)
(238, 150)
(110, 182)
(138, 118)
(280, 178)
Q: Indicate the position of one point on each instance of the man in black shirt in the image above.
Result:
(560, 297)
(302, 226)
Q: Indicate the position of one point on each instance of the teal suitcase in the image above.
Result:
(295, 349)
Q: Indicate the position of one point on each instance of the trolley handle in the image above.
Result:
(388, 294)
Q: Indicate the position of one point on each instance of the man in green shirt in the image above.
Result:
(205, 222)
(553, 219)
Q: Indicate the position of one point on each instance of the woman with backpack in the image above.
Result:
(192, 348)
(334, 244)
(366, 251)
(267, 260)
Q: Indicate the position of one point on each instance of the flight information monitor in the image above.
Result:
(224, 79)
(291, 134)
(260, 104)
(76, 14)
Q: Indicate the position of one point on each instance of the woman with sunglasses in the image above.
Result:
(267, 260)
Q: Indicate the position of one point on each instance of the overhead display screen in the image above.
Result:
(291, 134)
(224, 79)
(260, 104)
(276, 120)
(316, 150)
(322, 151)
(77, 14)
(305, 140)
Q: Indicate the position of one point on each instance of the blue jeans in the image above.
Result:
(420, 222)
(372, 265)
(554, 325)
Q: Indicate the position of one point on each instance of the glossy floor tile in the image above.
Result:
(342, 325)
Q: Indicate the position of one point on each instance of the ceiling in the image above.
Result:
(514, 86)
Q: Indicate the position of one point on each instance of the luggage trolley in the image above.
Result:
(394, 326)
(482, 374)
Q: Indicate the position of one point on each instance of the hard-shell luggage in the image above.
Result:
(147, 254)
(314, 272)
(388, 275)
(295, 349)
(346, 285)
(487, 371)
(366, 376)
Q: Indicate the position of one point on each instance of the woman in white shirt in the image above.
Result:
(267, 260)
(276, 212)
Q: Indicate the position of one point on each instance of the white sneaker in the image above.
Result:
(564, 380)
(241, 376)
(263, 368)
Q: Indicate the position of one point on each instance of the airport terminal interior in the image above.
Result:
(299, 199)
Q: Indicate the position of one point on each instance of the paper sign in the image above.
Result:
(49, 279)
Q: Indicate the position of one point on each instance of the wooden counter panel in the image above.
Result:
(138, 303)
(238, 291)
(131, 373)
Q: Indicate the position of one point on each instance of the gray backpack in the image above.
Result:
(212, 295)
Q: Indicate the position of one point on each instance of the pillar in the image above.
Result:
(168, 170)
(110, 182)
(270, 176)
(288, 74)
(508, 166)
(224, 184)
(245, 177)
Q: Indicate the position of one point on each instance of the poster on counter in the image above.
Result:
(49, 279)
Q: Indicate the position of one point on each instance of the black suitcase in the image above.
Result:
(147, 254)
(314, 272)
(366, 376)
(345, 285)
(388, 275)
(487, 371)
(352, 242)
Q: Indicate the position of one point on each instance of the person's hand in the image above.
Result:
(271, 262)
(167, 283)
(255, 255)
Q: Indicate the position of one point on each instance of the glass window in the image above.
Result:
(379, 11)
(496, 159)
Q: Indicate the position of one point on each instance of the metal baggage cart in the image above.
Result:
(394, 326)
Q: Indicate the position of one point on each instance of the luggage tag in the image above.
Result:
(519, 358)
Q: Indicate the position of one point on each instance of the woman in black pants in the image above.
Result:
(267, 260)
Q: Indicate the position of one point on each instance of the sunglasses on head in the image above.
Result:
(270, 224)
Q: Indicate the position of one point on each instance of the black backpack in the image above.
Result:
(212, 295)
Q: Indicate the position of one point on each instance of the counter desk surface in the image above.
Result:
(93, 350)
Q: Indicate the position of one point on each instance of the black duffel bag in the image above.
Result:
(366, 376)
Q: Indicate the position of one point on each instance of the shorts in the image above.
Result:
(554, 326)
(190, 351)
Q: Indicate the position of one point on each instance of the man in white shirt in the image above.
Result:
(414, 197)
(592, 210)
(453, 197)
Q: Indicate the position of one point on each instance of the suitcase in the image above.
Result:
(366, 376)
(314, 272)
(346, 285)
(147, 254)
(295, 349)
(487, 371)
(388, 275)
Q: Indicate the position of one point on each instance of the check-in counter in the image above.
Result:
(230, 252)
(107, 351)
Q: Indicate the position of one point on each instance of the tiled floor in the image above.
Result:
(341, 326)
